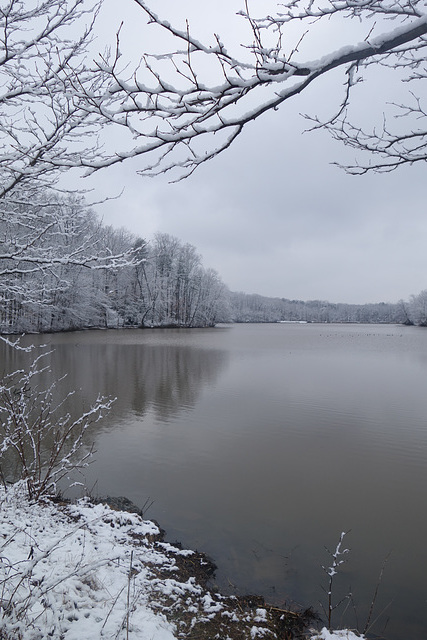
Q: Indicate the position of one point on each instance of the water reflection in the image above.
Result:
(141, 375)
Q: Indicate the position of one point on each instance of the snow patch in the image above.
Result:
(343, 634)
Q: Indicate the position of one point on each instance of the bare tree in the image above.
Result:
(417, 309)
(46, 127)
(187, 105)
(42, 114)
(177, 290)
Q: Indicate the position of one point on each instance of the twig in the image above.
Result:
(368, 626)
(128, 596)
(286, 611)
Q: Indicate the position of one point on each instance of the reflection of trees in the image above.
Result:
(168, 378)
(161, 377)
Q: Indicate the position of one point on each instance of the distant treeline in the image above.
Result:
(255, 308)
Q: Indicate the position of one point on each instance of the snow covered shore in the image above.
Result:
(86, 571)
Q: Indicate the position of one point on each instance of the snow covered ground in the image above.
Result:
(85, 572)
(344, 634)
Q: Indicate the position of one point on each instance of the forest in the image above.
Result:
(256, 308)
(63, 269)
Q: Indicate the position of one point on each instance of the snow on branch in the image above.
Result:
(180, 107)
(182, 116)
(41, 60)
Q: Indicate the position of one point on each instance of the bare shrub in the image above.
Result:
(41, 442)
(338, 559)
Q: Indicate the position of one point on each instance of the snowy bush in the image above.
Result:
(41, 442)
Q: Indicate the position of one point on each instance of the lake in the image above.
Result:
(260, 444)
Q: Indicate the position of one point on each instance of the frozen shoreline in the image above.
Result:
(73, 571)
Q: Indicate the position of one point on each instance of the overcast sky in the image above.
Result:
(273, 216)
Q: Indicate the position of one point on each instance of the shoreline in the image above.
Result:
(198, 565)
(88, 570)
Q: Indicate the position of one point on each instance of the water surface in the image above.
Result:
(260, 444)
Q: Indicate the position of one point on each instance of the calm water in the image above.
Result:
(259, 444)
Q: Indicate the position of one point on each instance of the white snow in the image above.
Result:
(69, 572)
(77, 572)
(344, 634)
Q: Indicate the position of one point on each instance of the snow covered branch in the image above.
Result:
(181, 107)
(331, 571)
(387, 148)
(180, 115)
(42, 117)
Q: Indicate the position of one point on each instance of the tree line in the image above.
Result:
(62, 269)
(256, 308)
